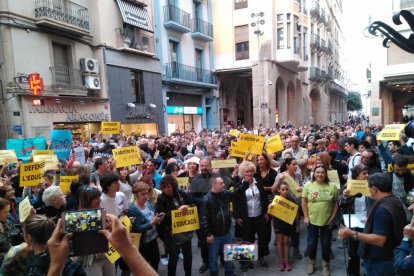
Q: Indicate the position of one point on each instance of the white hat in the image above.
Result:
(193, 159)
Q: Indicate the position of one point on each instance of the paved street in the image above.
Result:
(299, 266)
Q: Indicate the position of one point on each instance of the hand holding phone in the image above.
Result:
(161, 215)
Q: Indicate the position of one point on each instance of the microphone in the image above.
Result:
(345, 201)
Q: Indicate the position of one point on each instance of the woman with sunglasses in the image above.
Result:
(145, 221)
(319, 206)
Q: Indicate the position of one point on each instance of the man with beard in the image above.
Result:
(370, 159)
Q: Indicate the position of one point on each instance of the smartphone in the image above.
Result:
(240, 252)
(161, 215)
(82, 221)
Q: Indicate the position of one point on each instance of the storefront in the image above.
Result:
(184, 118)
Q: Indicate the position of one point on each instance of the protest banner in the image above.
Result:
(51, 161)
(110, 127)
(293, 186)
(226, 163)
(182, 181)
(274, 144)
(185, 220)
(65, 182)
(31, 174)
(250, 142)
(358, 186)
(24, 147)
(334, 178)
(7, 156)
(24, 209)
(61, 143)
(391, 132)
(233, 132)
(126, 156)
(112, 254)
(79, 153)
(42, 152)
(283, 209)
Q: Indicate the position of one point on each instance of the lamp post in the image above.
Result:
(256, 23)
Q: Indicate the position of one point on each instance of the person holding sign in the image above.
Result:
(319, 206)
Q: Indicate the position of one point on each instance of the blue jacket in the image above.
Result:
(402, 264)
(140, 223)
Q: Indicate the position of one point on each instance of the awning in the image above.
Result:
(135, 15)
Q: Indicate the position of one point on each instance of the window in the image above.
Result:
(137, 86)
(280, 17)
(241, 38)
(61, 64)
(174, 58)
(240, 4)
(280, 38)
(242, 50)
(406, 4)
(199, 64)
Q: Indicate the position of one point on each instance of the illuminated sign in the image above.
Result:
(196, 110)
(35, 84)
(38, 102)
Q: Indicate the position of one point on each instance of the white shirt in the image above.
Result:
(353, 161)
(114, 205)
(254, 206)
(127, 190)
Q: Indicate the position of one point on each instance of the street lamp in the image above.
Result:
(256, 23)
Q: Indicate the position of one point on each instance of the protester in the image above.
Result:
(7, 228)
(404, 254)
(112, 199)
(54, 201)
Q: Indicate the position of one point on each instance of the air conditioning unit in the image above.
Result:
(89, 65)
(92, 82)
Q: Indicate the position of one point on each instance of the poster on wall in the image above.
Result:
(61, 142)
(24, 147)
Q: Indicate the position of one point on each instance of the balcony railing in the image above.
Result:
(315, 73)
(315, 10)
(338, 88)
(174, 70)
(67, 81)
(134, 39)
(315, 41)
(172, 13)
(329, 47)
(322, 45)
(64, 11)
(142, 3)
(322, 17)
(203, 27)
(242, 55)
(330, 73)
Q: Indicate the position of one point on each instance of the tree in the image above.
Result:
(354, 101)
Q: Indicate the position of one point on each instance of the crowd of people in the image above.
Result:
(233, 203)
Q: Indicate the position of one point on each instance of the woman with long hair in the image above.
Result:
(125, 183)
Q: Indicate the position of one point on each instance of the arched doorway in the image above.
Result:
(291, 103)
(315, 104)
(280, 87)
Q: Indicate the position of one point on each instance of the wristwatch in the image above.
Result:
(355, 236)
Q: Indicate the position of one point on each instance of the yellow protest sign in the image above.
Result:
(42, 152)
(283, 209)
(233, 132)
(126, 156)
(66, 181)
(391, 132)
(235, 151)
(112, 254)
(182, 181)
(358, 186)
(292, 185)
(274, 144)
(410, 167)
(334, 178)
(136, 238)
(227, 163)
(7, 156)
(110, 127)
(51, 161)
(24, 209)
(31, 174)
(250, 142)
(184, 221)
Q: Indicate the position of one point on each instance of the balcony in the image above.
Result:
(330, 73)
(141, 3)
(317, 75)
(67, 81)
(176, 19)
(135, 40)
(202, 30)
(337, 88)
(63, 16)
(315, 10)
(315, 42)
(322, 18)
(329, 48)
(183, 74)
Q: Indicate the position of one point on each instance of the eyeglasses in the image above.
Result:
(320, 166)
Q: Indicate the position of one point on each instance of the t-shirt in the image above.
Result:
(114, 205)
(320, 201)
(353, 161)
(127, 190)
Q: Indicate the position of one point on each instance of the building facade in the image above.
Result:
(279, 61)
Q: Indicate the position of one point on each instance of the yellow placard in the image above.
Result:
(250, 142)
(184, 221)
(183, 181)
(42, 152)
(112, 254)
(126, 156)
(391, 132)
(226, 163)
(274, 144)
(292, 185)
(233, 132)
(358, 186)
(334, 178)
(7, 156)
(31, 174)
(136, 238)
(24, 209)
(410, 167)
(66, 181)
(283, 209)
(110, 127)
(235, 151)
(51, 161)
(231, 203)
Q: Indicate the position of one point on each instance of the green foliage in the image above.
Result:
(354, 102)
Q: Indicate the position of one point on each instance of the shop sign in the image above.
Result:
(87, 117)
(132, 116)
(197, 110)
(72, 114)
(54, 108)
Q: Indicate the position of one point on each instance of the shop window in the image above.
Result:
(137, 86)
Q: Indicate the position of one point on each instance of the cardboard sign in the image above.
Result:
(184, 221)
(334, 178)
(61, 142)
(292, 185)
(66, 181)
(274, 144)
(358, 186)
(31, 174)
(24, 209)
(235, 151)
(43, 152)
(183, 181)
(252, 143)
(227, 163)
(126, 156)
(283, 209)
(112, 254)
(51, 161)
(7, 156)
(79, 153)
(391, 132)
(233, 132)
(110, 127)
(24, 147)
(136, 238)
